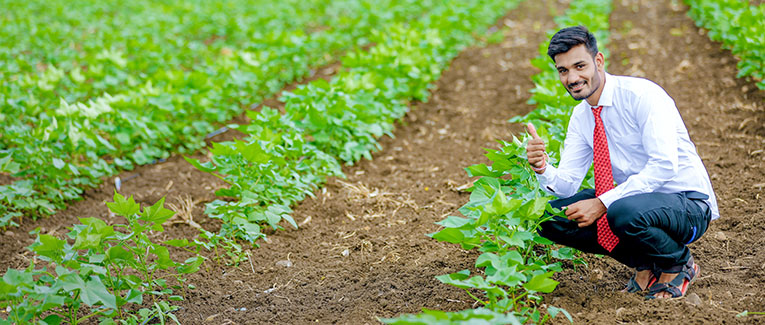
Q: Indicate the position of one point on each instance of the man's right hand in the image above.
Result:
(535, 150)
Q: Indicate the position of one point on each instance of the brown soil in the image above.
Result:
(362, 252)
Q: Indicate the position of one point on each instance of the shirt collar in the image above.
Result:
(607, 96)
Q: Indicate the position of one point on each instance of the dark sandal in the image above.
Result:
(678, 286)
(633, 286)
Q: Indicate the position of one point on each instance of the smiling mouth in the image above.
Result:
(577, 86)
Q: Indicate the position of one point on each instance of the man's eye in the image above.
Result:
(581, 66)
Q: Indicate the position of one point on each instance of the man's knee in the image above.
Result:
(624, 214)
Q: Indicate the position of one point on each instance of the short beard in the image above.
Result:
(583, 97)
(592, 86)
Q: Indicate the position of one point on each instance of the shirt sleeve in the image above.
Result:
(657, 117)
(576, 158)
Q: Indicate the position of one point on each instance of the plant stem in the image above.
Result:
(89, 316)
(515, 299)
(476, 298)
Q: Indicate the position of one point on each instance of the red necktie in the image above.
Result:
(604, 180)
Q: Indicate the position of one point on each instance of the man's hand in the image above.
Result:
(535, 150)
(585, 212)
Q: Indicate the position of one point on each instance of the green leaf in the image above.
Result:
(156, 214)
(94, 292)
(252, 152)
(8, 165)
(482, 170)
(553, 311)
(49, 246)
(134, 297)
(58, 163)
(450, 235)
(542, 241)
(71, 281)
(206, 167)
(52, 320)
(191, 265)
(484, 189)
(535, 208)
(163, 257)
(178, 242)
(123, 207)
(541, 283)
(456, 276)
(16, 278)
(454, 222)
(512, 258)
(563, 253)
(507, 276)
(91, 237)
(290, 220)
(119, 254)
(96, 258)
(487, 259)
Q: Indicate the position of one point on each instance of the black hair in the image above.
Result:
(569, 37)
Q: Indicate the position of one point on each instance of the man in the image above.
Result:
(631, 131)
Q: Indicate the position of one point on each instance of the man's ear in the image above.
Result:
(600, 61)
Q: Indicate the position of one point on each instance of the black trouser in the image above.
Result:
(653, 228)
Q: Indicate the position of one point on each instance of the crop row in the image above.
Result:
(286, 156)
(506, 207)
(89, 89)
(101, 271)
(740, 27)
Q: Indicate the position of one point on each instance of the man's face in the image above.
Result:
(579, 71)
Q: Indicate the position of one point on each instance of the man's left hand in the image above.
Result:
(585, 212)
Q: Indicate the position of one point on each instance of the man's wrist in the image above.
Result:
(540, 170)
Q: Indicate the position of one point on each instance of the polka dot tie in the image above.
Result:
(604, 180)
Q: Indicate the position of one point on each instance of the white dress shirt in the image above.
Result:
(648, 144)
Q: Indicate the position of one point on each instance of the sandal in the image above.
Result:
(679, 285)
(633, 286)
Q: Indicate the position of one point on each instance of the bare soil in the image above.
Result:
(361, 251)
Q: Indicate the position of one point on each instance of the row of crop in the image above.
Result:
(286, 156)
(175, 87)
(740, 27)
(506, 207)
(101, 272)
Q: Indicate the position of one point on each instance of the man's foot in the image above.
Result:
(674, 285)
(640, 281)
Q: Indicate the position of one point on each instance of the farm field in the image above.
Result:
(360, 251)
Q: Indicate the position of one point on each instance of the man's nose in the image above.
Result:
(571, 78)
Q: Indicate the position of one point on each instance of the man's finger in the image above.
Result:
(584, 223)
(532, 130)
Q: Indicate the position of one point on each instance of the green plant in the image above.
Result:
(437, 317)
(108, 270)
(739, 27)
(500, 220)
(269, 171)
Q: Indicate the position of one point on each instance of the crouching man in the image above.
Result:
(630, 130)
